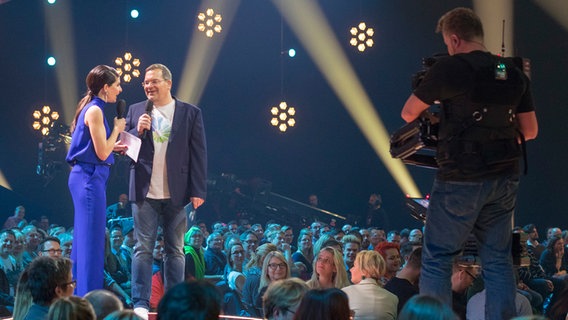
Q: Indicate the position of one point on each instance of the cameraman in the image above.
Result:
(486, 104)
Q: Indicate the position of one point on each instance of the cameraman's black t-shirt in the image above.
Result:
(451, 79)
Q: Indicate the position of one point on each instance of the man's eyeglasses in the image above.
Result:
(72, 283)
(53, 251)
(151, 82)
(470, 274)
(274, 266)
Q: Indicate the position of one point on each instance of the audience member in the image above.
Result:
(329, 304)
(476, 306)
(251, 291)
(351, 246)
(8, 263)
(366, 297)
(66, 241)
(393, 236)
(365, 239)
(196, 300)
(71, 308)
(194, 257)
(405, 284)
(104, 302)
(329, 270)
(47, 280)
(215, 259)
(14, 221)
(532, 242)
(282, 298)
(275, 267)
(554, 259)
(463, 276)
(121, 209)
(50, 247)
(250, 243)
(423, 307)
(391, 254)
(32, 240)
(305, 255)
(232, 300)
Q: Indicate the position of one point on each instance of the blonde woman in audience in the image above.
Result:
(329, 270)
(275, 267)
(367, 298)
(282, 298)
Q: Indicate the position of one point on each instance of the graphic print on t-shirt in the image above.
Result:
(162, 127)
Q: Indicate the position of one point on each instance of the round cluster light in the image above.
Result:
(127, 67)
(209, 22)
(43, 119)
(362, 37)
(283, 116)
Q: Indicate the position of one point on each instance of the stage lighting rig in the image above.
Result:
(283, 116)
(43, 119)
(209, 22)
(362, 36)
(127, 66)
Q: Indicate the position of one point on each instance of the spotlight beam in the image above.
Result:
(3, 182)
(203, 52)
(556, 9)
(311, 27)
(60, 31)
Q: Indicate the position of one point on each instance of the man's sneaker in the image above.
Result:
(141, 312)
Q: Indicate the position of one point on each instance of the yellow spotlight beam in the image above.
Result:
(4, 182)
(556, 9)
(60, 31)
(203, 52)
(310, 25)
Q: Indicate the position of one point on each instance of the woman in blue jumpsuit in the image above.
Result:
(90, 154)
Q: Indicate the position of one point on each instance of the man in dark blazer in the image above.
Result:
(170, 173)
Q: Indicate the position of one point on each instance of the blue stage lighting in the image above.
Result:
(291, 53)
(134, 13)
(51, 61)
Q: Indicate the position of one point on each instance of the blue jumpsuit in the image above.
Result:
(87, 183)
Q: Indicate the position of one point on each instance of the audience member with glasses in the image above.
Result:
(50, 247)
(275, 267)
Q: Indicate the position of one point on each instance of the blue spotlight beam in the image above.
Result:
(310, 25)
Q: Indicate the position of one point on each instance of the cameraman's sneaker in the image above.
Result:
(141, 312)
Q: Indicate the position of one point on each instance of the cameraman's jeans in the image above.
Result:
(147, 215)
(456, 210)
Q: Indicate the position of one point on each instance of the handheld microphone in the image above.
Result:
(120, 109)
(149, 107)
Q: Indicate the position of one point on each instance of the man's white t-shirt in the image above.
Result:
(162, 118)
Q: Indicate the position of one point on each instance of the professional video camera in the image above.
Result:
(415, 143)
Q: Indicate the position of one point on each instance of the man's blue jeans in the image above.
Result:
(456, 210)
(147, 214)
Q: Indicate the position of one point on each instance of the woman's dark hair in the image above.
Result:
(552, 242)
(330, 304)
(198, 300)
(96, 80)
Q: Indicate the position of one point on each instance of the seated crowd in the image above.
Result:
(265, 271)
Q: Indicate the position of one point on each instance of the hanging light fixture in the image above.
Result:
(362, 37)
(209, 22)
(43, 119)
(127, 67)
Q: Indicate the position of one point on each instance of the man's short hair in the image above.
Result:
(43, 275)
(197, 300)
(462, 22)
(350, 238)
(41, 245)
(104, 302)
(415, 258)
(166, 73)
